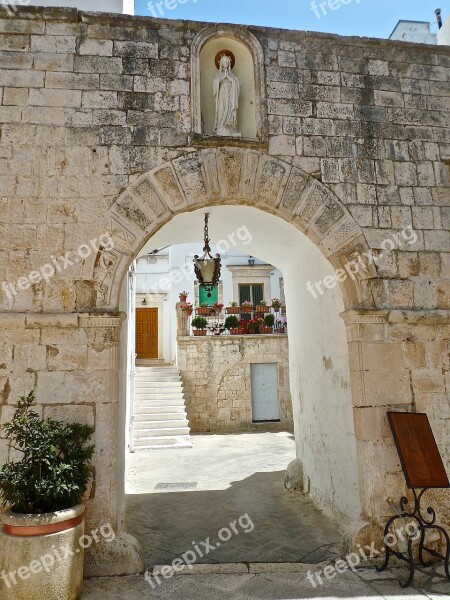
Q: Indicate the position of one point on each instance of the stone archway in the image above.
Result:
(234, 176)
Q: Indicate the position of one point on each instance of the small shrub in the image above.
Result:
(232, 322)
(269, 320)
(54, 471)
(199, 323)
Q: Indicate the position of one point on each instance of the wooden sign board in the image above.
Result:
(421, 461)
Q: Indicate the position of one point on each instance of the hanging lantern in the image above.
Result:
(207, 267)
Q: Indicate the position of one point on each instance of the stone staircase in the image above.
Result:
(159, 419)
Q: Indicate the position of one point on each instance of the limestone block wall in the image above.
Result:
(216, 375)
(96, 135)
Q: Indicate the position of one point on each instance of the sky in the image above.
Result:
(368, 18)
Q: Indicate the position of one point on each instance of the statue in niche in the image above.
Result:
(227, 89)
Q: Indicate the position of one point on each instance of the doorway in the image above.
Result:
(147, 333)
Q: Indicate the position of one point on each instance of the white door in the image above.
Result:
(265, 404)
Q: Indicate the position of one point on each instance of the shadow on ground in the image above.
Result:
(287, 526)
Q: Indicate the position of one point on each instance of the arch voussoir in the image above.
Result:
(222, 175)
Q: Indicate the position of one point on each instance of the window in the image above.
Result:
(253, 293)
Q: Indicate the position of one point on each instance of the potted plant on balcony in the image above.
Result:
(216, 327)
(262, 307)
(276, 304)
(281, 325)
(233, 309)
(217, 307)
(187, 309)
(200, 324)
(183, 296)
(205, 310)
(233, 324)
(43, 493)
(246, 307)
(269, 321)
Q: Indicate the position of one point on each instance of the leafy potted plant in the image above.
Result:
(43, 493)
(262, 307)
(269, 321)
(204, 310)
(246, 307)
(187, 309)
(217, 307)
(200, 324)
(216, 327)
(276, 304)
(281, 325)
(233, 309)
(183, 296)
(233, 325)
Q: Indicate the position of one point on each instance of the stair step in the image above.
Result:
(146, 416)
(160, 425)
(182, 441)
(152, 433)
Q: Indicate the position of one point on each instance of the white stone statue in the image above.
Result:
(227, 89)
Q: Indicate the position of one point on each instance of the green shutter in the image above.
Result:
(203, 296)
(244, 294)
(258, 294)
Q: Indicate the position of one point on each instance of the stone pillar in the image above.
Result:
(72, 362)
(182, 321)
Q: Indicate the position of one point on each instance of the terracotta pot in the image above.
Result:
(237, 331)
(233, 310)
(26, 540)
(266, 330)
(200, 332)
(281, 330)
(204, 311)
(188, 312)
(246, 309)
(276, 307)
(262, 309)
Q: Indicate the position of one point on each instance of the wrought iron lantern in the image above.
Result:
(207, 267)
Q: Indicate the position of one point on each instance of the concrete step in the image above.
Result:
(146, 416)
(158, 397)
(155, 433)
(158, 385)
(182, 441)
(150, 425)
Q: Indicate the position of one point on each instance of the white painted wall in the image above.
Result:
(110, 6)
(413, 31)
(443, 36)
(319, 367)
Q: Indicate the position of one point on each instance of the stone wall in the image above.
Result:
(217, 384)
(96, 135)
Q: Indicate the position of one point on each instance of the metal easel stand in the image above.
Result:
(424, 524)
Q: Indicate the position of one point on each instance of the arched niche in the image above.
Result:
(249, 68)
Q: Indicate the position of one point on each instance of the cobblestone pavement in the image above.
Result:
(365, 584)
(237, 475)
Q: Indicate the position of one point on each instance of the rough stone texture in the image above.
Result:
(217, 383)
(93, 106)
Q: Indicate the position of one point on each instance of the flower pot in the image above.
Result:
(200, 332)
(281, 330)
(188, 312)
(262, 308)
(266, 330)
(233, 310)
(246, 309)
(276, 307)
(237, 331)
(204, 311)
(31, 547)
